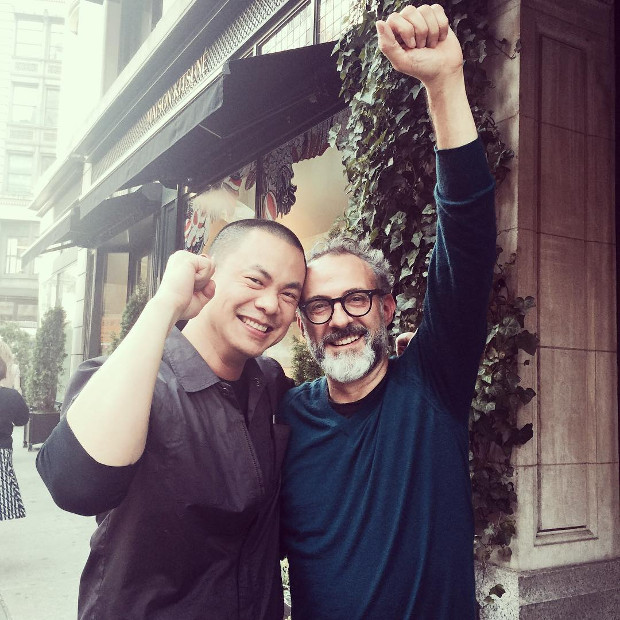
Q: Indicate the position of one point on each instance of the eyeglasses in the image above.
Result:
(355, 304)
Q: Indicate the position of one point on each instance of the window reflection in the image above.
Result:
(231, 199)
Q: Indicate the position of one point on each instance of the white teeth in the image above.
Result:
(348, 340)
(254, 324)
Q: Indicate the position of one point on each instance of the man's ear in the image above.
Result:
(300, 324)
(389, 308)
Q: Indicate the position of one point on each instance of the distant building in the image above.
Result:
(31, 36)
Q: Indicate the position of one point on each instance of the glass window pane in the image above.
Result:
(15, 247)
(19, 172)
(51, 107)
(29, 38)
(294, 33)
(230, 199)
(331, 18)
(25, 103)
(114, 297)
(54, 50)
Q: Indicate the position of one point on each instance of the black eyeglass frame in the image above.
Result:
(341, 301)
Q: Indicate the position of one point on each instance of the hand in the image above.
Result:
(420, 43)
(187, 283)
(402, 341)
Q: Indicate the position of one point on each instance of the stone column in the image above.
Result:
(554, 104)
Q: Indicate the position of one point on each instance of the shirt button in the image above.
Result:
(257, 382)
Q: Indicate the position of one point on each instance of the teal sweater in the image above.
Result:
(376, 509)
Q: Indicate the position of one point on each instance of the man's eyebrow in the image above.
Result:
(267, 276)
(349, 290)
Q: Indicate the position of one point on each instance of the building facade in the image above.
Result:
(31, 34)
(187, 115)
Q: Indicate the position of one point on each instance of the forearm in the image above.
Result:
(450, 112)
(110, 416)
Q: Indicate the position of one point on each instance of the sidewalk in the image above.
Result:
(41, 556)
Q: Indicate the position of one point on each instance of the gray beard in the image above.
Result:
(350, 366)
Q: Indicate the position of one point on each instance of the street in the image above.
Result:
(41, 556)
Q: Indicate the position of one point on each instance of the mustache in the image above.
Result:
(339, 334)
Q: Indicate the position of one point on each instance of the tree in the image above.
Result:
(135, 304)
(47, 361)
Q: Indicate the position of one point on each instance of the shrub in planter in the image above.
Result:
(135, 304)
(43, 375)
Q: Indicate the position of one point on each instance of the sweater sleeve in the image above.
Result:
(77, 482)
(452, 334)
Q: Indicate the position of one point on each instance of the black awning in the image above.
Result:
(95, 227)
(59, 233)
(115, 215)
(254, 105)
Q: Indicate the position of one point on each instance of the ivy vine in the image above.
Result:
(387, 149)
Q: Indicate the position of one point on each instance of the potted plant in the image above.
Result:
(43, 375)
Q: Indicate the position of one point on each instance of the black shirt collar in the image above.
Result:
(193, 373)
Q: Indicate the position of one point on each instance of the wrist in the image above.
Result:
(450, 113)
(165, 308)
(446, 88)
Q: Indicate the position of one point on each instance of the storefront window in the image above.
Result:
(228, 200)
(114, 297)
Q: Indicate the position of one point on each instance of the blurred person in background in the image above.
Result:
(13, 412)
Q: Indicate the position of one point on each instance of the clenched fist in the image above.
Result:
(187, 283)
(419, 42)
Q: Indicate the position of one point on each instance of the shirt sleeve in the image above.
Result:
(18, 409)
(76, 481)
(452, 334)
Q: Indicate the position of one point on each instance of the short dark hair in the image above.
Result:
(230, 236)
(375, 259)
(2, 369)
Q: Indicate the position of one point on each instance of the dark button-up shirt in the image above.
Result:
(191, 530)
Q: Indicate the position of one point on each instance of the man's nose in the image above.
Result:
(339, 318)
(268, 302)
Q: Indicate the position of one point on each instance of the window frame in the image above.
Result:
(46, 109)
(9, 187)
(36, 106)
(41, 45)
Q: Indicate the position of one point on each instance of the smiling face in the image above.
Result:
(347, 348)
(257, 288)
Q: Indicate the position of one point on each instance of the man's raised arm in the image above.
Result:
(110, 415)
(420, 43)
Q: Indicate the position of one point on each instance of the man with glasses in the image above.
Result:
(377, 518)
